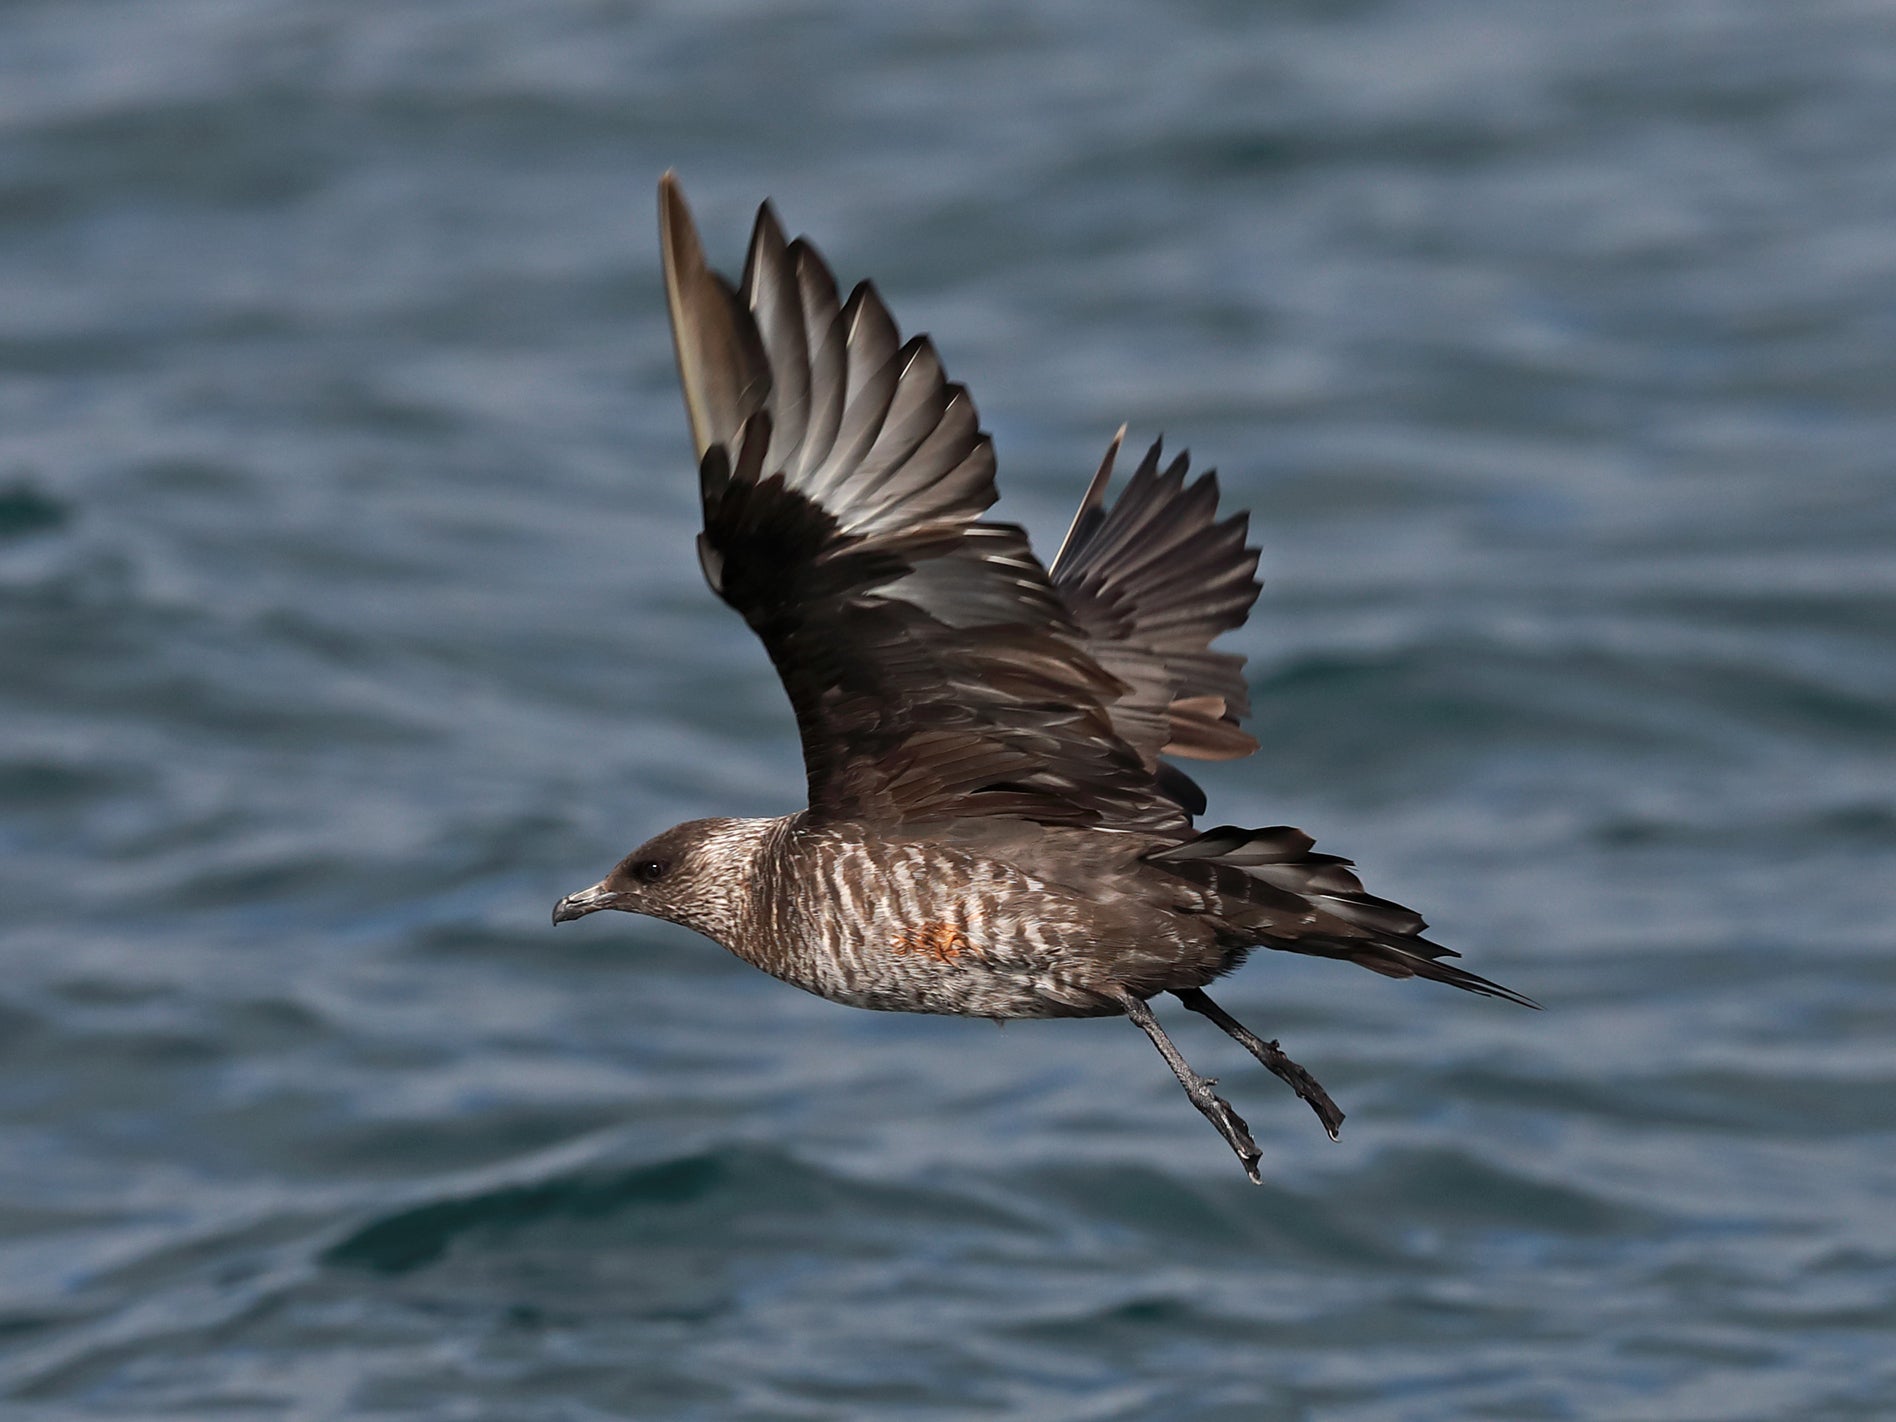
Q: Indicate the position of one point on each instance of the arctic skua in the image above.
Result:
(993, 829)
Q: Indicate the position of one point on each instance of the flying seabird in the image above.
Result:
(992, 830)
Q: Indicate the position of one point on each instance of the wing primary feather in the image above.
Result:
(770, 291)
(828, 357)
(721, 362)
(1088, 513)
(870, 354)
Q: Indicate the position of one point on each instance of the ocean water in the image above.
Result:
(349, 616)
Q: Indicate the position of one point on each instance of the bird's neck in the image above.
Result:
(729, 904)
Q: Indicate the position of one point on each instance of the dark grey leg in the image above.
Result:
(1216, 1109)
(1287, 1071)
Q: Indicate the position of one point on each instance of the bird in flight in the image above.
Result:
(993, 829)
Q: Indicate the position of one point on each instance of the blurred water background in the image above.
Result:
(349, 615)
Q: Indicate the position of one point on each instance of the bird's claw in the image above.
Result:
(1230, 1125)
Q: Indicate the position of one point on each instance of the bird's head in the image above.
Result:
(696, 874)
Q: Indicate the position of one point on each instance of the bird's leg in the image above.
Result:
(1286, 1071)
(1216, 1109)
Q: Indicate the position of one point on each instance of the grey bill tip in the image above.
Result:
(576, 906)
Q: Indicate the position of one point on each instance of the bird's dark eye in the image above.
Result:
(649, 871)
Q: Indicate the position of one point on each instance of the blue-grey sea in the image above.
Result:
(349, 615)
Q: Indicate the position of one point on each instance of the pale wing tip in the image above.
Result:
(768, 227)
(697, 337)
(1094, 496)
(678, 234)
(1096, 491)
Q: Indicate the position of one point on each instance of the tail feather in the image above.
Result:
(1271, 887)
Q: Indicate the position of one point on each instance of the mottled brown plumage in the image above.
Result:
(991, 829)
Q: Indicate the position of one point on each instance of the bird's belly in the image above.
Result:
(1023, 959)
(958, 990)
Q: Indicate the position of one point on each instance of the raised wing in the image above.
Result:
(934, 670)
(1153, 579)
